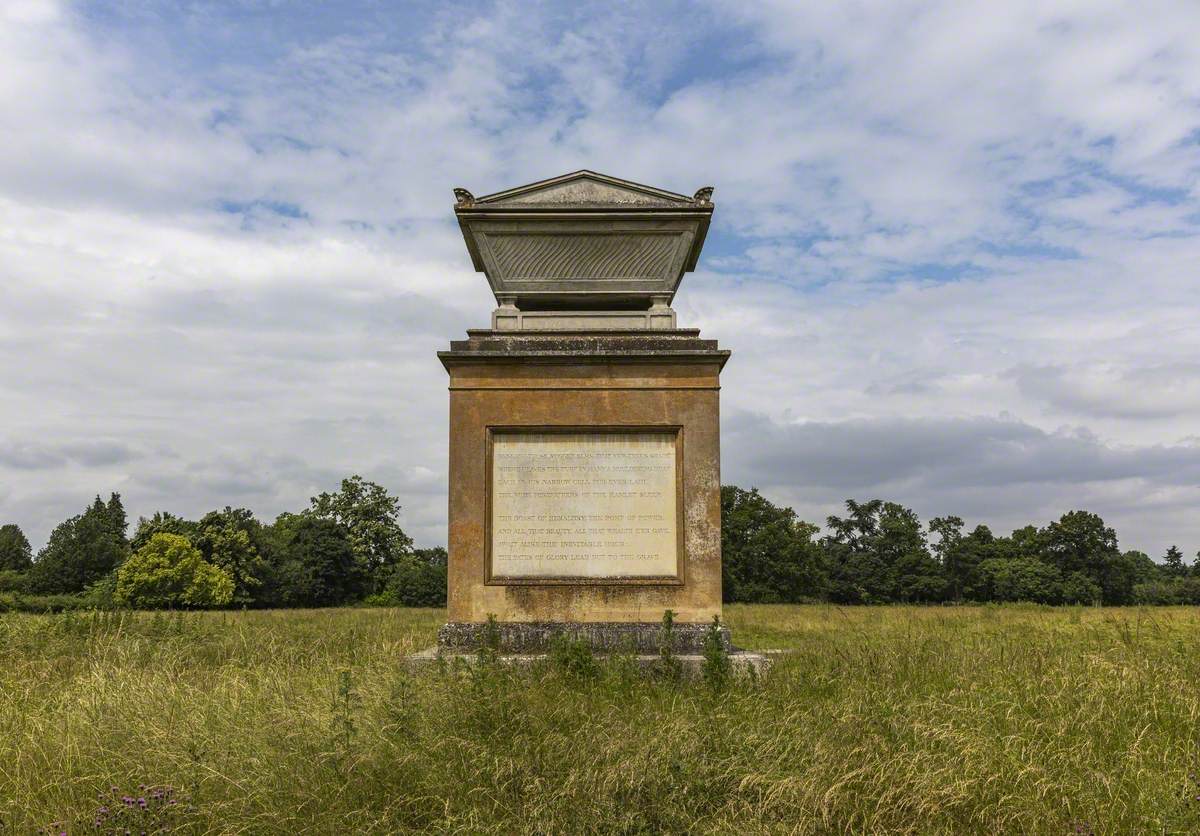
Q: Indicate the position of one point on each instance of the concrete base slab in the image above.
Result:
(743, 661)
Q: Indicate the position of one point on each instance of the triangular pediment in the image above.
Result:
(585, 189)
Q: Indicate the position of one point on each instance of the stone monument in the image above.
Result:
(584, 435)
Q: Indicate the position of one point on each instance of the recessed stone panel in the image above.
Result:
(595, 504)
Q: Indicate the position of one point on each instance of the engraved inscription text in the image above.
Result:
(595, 505)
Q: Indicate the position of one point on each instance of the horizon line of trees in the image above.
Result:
(348, 547)
(880, 553)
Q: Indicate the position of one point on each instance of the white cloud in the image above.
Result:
(228, 255)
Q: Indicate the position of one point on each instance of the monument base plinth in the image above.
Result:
(602, 637)
(585, 478)
(691, 665)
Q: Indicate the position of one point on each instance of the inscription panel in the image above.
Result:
(584, 505)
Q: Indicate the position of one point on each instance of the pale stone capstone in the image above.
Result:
(584, 251)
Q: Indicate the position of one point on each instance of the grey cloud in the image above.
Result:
(259, 364)
(26, 456)
(858, 455)
(271, 484)
(1148, 391)
(88, 453)
(100, 453)
(1003, 472)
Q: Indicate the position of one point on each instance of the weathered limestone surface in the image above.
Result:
(584, 424)
(593, 503)
(584, 239)
(665, 381)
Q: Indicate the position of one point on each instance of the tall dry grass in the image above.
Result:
(994, 719)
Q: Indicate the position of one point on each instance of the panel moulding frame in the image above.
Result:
(677, 579)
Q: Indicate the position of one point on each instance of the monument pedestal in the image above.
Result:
(584, 487)
(585, 462)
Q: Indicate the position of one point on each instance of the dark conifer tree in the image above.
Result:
(1173, 565)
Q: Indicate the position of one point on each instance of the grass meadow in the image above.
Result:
(901, 719)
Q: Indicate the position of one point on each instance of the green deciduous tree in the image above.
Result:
(857, 575)
(976, 547)
(917, 576)
(1081, 542)
(1122, 572)
(313, 563)
(1078, 588)
(372, 518)
(950, 536)
(768, 555)
(1144, 569)
(15, 552)
(960, 556)
(82, 550)
(163, 522)
(417, 580)
(169, 572)
(1168, 591)
(233, 539)
(1021, 579)
(878, 554)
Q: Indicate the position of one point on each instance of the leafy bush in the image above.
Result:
(13, 581)
(1078, 588)
(667, 666)
(1022, 579)
(1177, 590)
(573, 657)
(717, 668)
(417, 580)
(169, 572)
(102, 595)
(14, 602)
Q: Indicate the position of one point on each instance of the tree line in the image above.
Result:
(348, 547)
(880, 553)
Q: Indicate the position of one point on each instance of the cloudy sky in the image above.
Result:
(955, 251)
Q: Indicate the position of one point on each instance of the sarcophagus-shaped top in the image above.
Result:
(584, 241)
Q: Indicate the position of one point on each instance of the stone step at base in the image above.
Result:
(743, 661)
